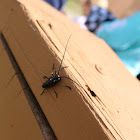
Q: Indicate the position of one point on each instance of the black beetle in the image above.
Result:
(55, 78)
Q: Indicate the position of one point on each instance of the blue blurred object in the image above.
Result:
(123, 36)
(58, 4)
(97, 16)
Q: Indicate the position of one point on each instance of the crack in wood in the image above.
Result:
(47, 34)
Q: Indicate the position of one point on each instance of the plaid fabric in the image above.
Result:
(97, 16)
(58, 4)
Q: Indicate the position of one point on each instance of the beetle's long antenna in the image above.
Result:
(64, 54)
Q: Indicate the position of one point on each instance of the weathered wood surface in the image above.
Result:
(17, 121)
(37, 35)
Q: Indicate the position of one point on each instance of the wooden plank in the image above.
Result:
(37, 38)
(16, 119)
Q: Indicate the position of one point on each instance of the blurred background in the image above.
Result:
(121, 8)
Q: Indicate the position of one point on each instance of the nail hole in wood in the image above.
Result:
(91, 91)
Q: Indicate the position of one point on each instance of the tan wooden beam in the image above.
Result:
(37, 35)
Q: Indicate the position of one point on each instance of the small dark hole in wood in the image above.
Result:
(92, 92)
(50, 26)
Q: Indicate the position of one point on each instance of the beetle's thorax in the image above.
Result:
(51, 81)
(55, 78)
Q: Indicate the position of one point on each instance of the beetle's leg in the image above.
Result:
(54, 92)
(69, 79)
(45, 77)
(52, 70)
(60, 69)
(72, 81)
(43, 91)
(64, 86)
(64, 67)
